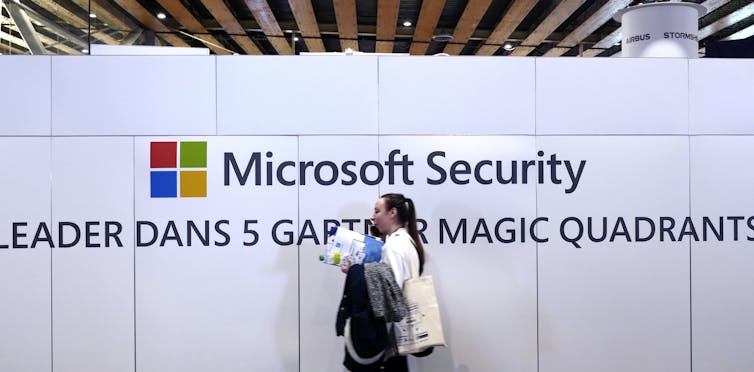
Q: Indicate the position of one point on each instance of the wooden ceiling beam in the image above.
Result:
(105, 33)
(429, 15)
(150, 21)
(230, 24)
(727, 21)
(69, 17)
(522, 50)
(174, 40)
(466, 26)
(345, 16)
(387, 22)
(48, 42)
(246, 44)
(606, 43)
(556, 51)
(50, 26)
(592, 52)
(266, 20)
(142, 15)
(16, 42)
(187, 20)
(711, 5)
(599, 18)
(303, 12)
(64, 14)
(52, 43)
(281, 45)
(11, 48)
(512, 18)
(105, 37)
(108, 13)
(743, 34)
(546, 27)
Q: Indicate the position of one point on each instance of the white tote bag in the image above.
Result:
(422, 328)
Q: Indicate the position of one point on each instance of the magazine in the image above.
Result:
(343, 243)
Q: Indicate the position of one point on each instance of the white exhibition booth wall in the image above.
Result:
(580, 214)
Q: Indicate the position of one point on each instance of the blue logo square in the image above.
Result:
(164, 184)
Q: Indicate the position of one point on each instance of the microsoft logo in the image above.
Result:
(164, 183)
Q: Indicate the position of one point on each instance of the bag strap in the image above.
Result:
(414, 274)
(352, 351)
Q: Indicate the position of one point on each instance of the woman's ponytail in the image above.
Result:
(407, 216)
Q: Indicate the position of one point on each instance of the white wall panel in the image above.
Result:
(93, 281)
(24, 272)
(227, 307)
(486, 290)
(612, 96)
(722, 305)
(719, 97)
(615, 306)
(300, 95)
(322, 285)
(179, 306)
(25, 97)
(133, 95)
(457, 95)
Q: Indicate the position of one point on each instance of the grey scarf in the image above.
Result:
(386, 298)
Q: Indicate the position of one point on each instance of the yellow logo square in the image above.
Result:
(193, 184)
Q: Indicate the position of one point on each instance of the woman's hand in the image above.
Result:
(345, 265)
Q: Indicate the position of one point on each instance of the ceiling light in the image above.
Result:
(85, 51)
(161, 15)
(442, 38)
(508, 47)
(295, 38)
(407, 24)
(92, 15)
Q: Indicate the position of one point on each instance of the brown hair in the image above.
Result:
(407, 216)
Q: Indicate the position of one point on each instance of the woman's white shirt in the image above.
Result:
(400, 254)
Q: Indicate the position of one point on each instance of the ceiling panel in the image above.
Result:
(474, 27)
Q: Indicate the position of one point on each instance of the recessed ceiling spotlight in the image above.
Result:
(295, 38)
(92, 15)
(442, 38)
(407, 24)
(508, 47)
(161, 15)
(85, 51)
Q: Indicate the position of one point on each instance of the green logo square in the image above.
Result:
(193, 154)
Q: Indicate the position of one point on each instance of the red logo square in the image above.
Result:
(163, 154)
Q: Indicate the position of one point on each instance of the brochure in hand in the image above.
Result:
(342, 243)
